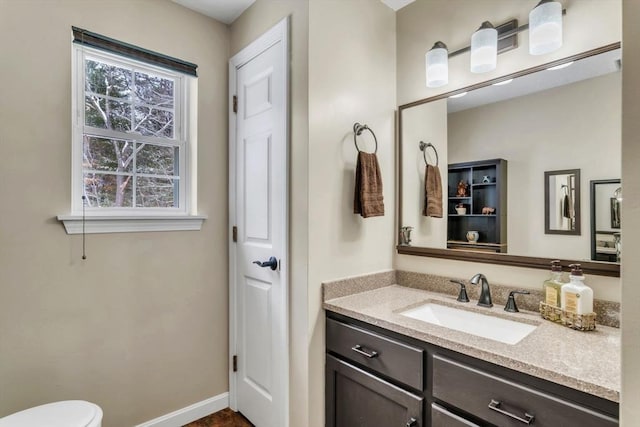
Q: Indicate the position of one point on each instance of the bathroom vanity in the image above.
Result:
(386, 369)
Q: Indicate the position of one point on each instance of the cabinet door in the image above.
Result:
(440, 417)
(356, 398)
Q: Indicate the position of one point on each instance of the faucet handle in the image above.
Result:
(462, 296)
(511, 301)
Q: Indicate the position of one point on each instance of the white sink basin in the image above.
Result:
(491, 327)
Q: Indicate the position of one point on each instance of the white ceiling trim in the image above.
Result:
(222, 10)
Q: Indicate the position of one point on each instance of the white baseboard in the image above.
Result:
(190, 413)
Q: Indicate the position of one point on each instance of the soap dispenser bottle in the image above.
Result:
(576, 296)
(553, 285)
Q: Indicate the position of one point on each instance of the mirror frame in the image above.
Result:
(576, 202)
(589, 267)
(592, 208)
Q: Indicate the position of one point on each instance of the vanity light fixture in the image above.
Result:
(545, 35)
(484, 48)
(458, 95)
(618, 194)
(545, 27)
(437, 64)
(560, 67)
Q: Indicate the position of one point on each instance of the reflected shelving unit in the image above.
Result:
(486, 187)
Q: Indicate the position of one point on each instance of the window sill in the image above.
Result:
(131, 224)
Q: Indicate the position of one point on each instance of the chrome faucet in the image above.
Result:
(485, 293)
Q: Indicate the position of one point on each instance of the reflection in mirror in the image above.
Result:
(549, 120)
(562, 202)
(606, 202)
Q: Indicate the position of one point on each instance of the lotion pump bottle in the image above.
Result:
(552, 286)
(576, 296)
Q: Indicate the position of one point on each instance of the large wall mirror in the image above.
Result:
(500, 142)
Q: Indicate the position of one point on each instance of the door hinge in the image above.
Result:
(235, 103)
(235, 363)
(234, 233)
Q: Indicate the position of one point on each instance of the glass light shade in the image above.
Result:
(484, 49)
(545, 27)
(618, 194)
(437, 64)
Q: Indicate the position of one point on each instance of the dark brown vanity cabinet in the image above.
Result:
(378, 378)
(480, 189)
(358, 398)
(504, 402)
(369, 379)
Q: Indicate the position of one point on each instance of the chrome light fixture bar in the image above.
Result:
(545, 36)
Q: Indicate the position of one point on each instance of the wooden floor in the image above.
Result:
(224, 418)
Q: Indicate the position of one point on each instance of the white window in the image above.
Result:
(132, 148)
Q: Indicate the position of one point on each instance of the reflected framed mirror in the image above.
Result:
(562, 202)
(547, 118)
(606, 236)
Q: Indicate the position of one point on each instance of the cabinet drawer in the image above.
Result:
(503, 402)
(356, 398)
(392, 358)
(440, 417)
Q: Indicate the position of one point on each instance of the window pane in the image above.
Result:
(105, 114)
(152, 122)
(107, 154)
(119, 115)
(153, 90)
(105, 79)
(94, 111)
(108, 191)
(157, 160)
(156, 193)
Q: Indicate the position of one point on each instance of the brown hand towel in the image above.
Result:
(433, 192)
(368, 192)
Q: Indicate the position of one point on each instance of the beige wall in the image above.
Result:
(587, 24)
(569, 127)
(261, 16)
(351, 79)
(631, 213)
(140, 327)
(453, 21)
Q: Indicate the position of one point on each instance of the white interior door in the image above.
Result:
(258, 193)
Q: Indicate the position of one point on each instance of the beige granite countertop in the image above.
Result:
(586, 361)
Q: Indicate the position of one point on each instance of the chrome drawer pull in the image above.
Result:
(358, 349)
(495, 406)
(412, 422)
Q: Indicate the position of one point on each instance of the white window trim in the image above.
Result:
(119, 220)
(73, 224)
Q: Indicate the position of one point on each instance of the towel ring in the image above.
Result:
(357, 131)
(423, 148)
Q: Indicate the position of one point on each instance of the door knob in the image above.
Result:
(412, 423)
(272, 263)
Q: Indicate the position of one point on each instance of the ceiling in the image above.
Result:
(397, 4)
(228, 10)
(222, 10)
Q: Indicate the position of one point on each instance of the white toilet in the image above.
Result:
(68, 413)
